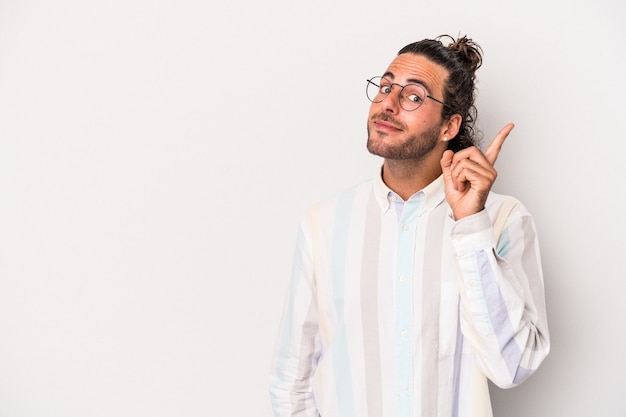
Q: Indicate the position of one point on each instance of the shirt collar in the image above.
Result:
(434, 192)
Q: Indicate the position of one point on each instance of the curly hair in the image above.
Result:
(461, 57)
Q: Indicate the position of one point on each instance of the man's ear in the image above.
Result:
(450, 127)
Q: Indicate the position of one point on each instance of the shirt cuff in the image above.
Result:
(473, 233)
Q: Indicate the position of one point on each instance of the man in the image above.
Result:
(410, 291)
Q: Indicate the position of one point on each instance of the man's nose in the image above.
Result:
(391, 102)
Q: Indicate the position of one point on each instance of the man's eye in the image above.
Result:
(385, 89)
(414, 98)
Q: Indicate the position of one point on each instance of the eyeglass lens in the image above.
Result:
(411, 95)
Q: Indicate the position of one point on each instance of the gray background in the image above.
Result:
(156, 156)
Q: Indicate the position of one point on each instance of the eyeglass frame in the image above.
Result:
(400, 96)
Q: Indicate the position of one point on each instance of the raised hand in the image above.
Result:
(469, 174)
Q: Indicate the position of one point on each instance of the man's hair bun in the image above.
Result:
(468, 51)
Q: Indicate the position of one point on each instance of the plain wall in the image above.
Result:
(156, 157)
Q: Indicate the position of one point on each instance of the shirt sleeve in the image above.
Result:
(297, 349)
(503, 312)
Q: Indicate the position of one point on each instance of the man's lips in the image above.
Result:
(387, 126)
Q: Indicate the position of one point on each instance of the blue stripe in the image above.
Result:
(405, 259)
(458, 355)
(504, 244)
(340, 355)
(296, 276)
(499, 315)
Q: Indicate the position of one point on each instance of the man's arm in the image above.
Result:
(503, 312)
(297, 349)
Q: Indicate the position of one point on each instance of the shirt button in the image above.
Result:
(405, 227)
(403, 333)
(402, 278)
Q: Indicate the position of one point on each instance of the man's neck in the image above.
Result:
(407, 177)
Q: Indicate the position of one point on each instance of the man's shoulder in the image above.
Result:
(359, 190)
(345, 198)
(502, 202)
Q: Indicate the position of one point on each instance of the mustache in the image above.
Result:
(385, 117)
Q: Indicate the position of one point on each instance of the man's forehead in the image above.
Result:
(412, 68)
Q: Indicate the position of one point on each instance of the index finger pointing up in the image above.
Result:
(496, 144)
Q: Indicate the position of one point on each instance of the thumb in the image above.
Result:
(446, 168)
(446, 163)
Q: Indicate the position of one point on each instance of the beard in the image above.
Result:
(415, 146)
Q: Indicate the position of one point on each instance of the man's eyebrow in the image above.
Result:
(389, 74)
(420, 82)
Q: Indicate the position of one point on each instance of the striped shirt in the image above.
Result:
(396, 309)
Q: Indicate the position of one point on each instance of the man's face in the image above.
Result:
(395, 133)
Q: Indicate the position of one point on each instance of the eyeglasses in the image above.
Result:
(411, 97)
